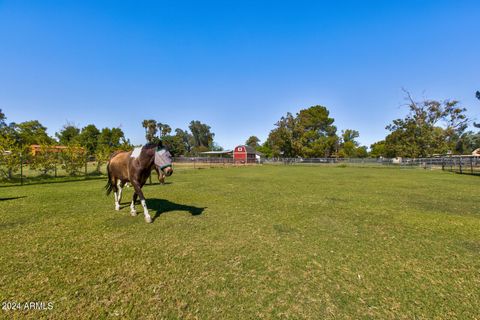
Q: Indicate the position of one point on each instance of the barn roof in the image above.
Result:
(251, 149)
(217, 152)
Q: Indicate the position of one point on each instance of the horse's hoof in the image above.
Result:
(133, 213)
(148, 219)
(117, 208)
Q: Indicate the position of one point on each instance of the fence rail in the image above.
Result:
(458, 164)
(25, 172)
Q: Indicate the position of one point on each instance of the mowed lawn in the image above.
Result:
(247, 243)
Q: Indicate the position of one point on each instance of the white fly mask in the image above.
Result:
(163, 159)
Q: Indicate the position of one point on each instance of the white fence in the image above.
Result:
(459, 164)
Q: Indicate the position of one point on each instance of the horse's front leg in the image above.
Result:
(133, 212)
(138, 190)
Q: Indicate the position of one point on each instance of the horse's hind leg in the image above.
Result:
(118, 194)
(115, 193)
(138, 190)
(133, 212)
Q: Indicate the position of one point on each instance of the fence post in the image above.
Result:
(86, 163)
(443, 163)
(460, 164)
(471, 165)
(21, 169)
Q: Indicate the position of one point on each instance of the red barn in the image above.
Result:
(244, 154)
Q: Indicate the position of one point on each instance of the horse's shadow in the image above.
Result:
(11, 198)
(161, 206)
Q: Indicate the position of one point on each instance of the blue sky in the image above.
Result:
(235, 65)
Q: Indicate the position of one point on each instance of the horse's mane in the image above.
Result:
(152, 145)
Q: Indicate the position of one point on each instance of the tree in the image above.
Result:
(164, 129)
(150, 130)
(183, 142)
(430, 127)
(202, 136)
(216, 147)
(349, 135)
(348, 144)
(477, 125)
(10, 153)
(319, 137)
(253, 142)
(265, 150)
(68, 134)
(310, 133)
(44, 160)
(377, 149)
(110, 140)
(8, 130)
(362, 152)
(32, 132)
(112, 137)
(102, 155)
(88, 138)
(74, 158)
(2, 119)
(468, 142)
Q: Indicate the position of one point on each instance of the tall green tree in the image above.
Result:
(265, 150)
(88, 138)
(183, 141)
(151, 130)
(32, 132)
(2, 119)
(164, 129)
(10, 154)
(112, 137)
(68, 134)
(253, 142)
(202, 135)
(8, 130)
(45, 160)
(430, 127)
(310, 133)
(477, 125)
(377, 149)
(348, 145)
(73, 159)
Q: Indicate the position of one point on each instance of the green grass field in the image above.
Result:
(247, 243)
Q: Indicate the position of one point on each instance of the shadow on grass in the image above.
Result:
(51, 180)
(161, 206)
(156, 183)
(11, 198)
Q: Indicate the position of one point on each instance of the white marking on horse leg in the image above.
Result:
(120, 189)
(148, 219)
(133, 212)
(117, 205)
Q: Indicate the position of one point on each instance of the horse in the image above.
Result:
(161, 175)
(135, 167)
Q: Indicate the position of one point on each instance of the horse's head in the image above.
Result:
(163, 160)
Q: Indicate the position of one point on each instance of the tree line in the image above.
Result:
(189, 142)
(81, 144)
(16, 140)
(430, 128)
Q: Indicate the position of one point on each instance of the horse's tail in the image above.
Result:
(109, 185)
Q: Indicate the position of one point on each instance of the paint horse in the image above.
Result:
(135, 167)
